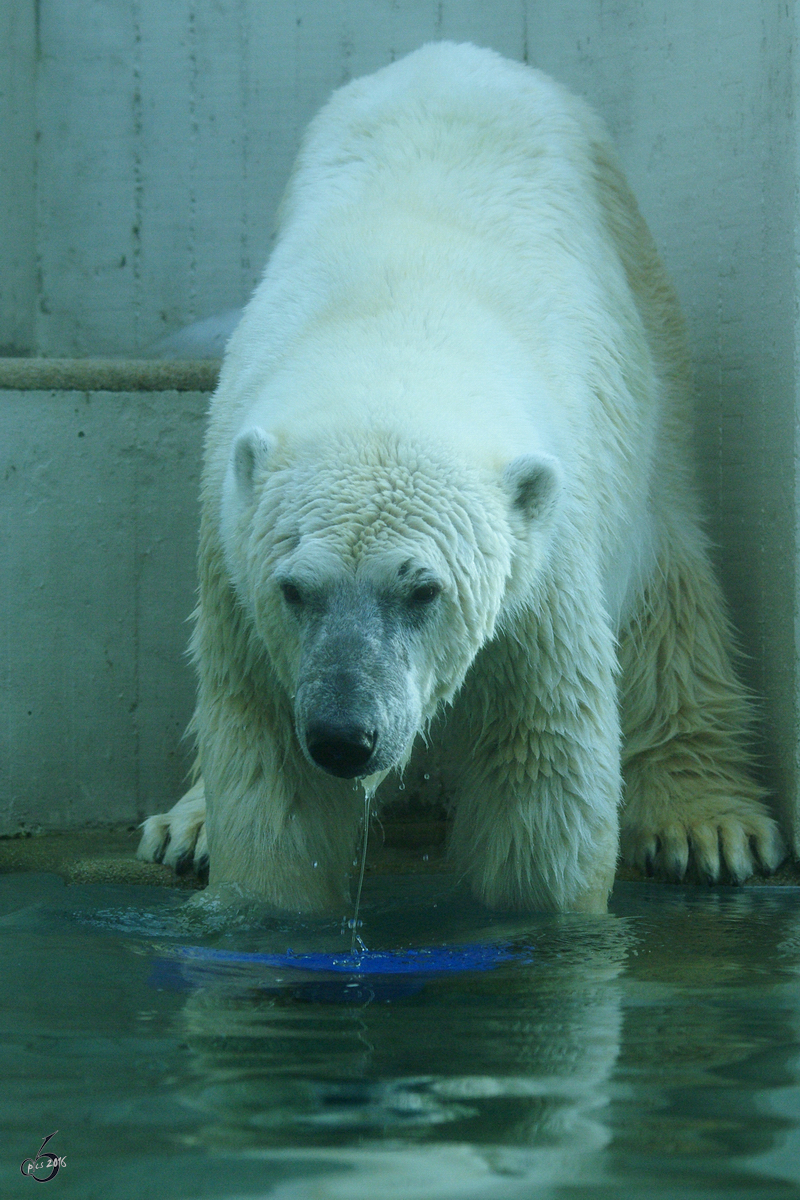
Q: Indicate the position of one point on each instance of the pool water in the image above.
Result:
(654, 1053)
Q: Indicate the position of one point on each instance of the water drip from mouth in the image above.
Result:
(369, 792)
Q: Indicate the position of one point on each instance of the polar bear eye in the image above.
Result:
(424, 595)
(291, 594)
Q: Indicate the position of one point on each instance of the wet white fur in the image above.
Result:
(462, 289)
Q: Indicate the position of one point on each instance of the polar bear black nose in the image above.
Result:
(342, 750)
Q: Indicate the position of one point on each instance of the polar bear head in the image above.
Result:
(373, 569)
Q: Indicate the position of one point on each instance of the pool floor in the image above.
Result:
(654, 1053)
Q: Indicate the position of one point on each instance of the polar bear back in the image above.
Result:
(455, 203)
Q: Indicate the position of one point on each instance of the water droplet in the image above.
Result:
(368, 794)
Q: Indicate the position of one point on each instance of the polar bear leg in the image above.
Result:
(685, 718)
(290, 839)
(178, 837)
(536, 734)
(304, 870)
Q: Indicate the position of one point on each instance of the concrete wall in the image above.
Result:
(98, 505)
(165, 132)
(17, 177)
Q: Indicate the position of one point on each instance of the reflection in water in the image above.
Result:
(653, 1052)
(534, 1068)
(512, 1062)
(710, 1013)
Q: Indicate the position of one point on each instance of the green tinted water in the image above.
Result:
(653, 1053)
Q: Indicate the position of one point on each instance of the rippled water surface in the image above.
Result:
(654, 1053)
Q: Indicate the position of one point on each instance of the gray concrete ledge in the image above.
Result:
(108, 375)
(108, 855)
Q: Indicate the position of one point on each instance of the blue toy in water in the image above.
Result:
(332, 977)
(432, 960)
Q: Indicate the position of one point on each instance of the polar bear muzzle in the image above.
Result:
(341, 748)
(357, 703)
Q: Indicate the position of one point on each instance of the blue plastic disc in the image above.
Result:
(369, 976)
(431, 960)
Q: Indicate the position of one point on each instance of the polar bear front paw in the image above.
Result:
(729, 846)
(178, 838)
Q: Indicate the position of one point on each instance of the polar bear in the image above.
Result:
(448, 509)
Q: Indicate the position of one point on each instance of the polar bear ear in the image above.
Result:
(534, 481)
(251, 450)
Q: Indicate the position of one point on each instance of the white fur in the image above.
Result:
(465, 355)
